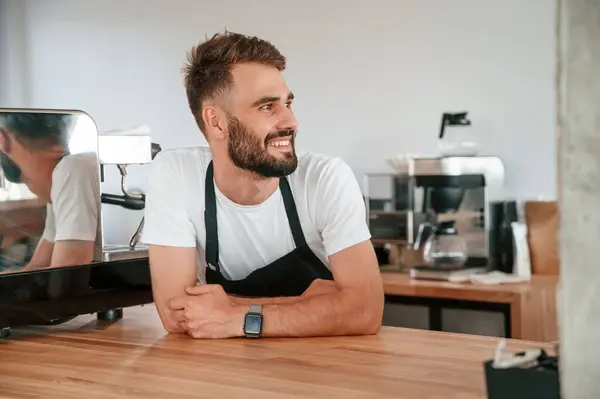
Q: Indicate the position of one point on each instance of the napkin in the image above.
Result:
(489, 278)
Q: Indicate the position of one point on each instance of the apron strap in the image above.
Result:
(292, 212)
(210, 216)
(210, 219)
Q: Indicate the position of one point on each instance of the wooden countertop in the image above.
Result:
(401, 284)
(533, 303)
(135, 358)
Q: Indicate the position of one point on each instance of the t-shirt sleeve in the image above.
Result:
(166, 221)
(341, 213)
(76, 198)
(49, 228)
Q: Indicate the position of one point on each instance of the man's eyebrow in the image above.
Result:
(271, 99)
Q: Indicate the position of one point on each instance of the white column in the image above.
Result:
(579, 196)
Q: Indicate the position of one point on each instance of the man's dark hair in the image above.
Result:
(207, 72)
(38, 130)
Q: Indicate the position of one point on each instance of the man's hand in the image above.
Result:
(208, 312)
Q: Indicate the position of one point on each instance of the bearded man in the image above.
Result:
(246, 237)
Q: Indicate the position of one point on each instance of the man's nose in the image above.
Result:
(288, 120)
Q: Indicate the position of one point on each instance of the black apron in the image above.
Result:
(289, 275)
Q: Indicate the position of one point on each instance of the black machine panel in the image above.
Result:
(47, 296)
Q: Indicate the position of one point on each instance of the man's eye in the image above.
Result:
(288, 104)
(266, 107)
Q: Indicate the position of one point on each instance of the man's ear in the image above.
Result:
(215, 122)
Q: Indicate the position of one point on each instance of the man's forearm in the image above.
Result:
(337, 313)
(72, 253)
(42, 256)
(237, 300)
(36, 264)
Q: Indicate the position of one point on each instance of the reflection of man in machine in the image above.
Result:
(34, 152)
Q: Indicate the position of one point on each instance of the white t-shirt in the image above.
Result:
(74, 211)
(328, 199)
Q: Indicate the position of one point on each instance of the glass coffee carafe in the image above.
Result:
(443, 247)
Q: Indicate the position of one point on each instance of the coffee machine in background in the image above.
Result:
(441, 212)
(455, 195)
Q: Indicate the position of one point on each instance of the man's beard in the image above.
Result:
(248, 152)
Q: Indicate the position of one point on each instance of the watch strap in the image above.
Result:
(255, 309)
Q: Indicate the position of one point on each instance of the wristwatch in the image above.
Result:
(253, 322)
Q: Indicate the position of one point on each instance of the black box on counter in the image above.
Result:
(521, 383)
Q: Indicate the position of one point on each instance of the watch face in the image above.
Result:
(253, 324)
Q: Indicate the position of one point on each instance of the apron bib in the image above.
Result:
(289, 275)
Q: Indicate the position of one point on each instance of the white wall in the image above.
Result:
(371, 78)
(13, 63)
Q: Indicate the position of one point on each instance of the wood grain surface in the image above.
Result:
(25, 214)
(135, 358)
(532, 303)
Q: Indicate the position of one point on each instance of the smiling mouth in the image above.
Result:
(282, 143)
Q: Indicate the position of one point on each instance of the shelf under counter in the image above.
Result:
(529, 308)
